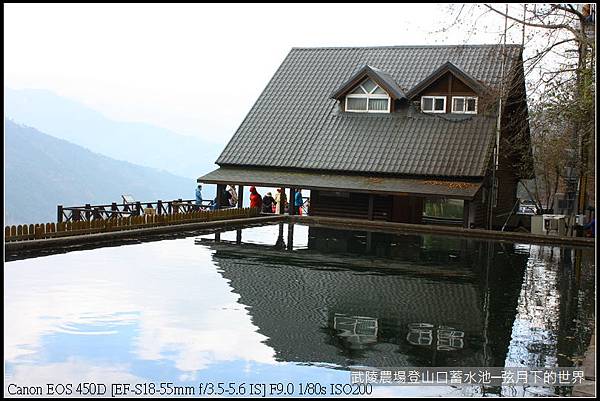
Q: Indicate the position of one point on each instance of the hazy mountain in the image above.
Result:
(138, 143)
(42, 171)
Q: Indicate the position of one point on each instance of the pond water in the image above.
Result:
(295, 304)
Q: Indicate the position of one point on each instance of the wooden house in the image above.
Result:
(379, 132)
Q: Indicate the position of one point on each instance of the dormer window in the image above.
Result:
(368, 97)
(464, 104)
(433, 104)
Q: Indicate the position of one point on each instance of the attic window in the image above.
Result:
(368, 97)
(433, 104)
(464, 104)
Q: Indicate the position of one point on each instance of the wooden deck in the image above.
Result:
(403, 228)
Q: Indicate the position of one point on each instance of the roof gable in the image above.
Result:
(447, 67)
(380, 77)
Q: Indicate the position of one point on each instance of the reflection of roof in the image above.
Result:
(296, 124)
(286, 178)
(296, 307)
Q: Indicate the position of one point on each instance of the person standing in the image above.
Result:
(267, 203)
(590, 228)
(255, 199)
(198, 197)
(299, 201)
(225, 199)
(280, 200)
(234, 198)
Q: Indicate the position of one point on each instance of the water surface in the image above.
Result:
(295, 304)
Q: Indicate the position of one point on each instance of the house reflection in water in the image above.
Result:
(376, 299)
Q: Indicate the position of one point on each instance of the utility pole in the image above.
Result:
(496, 153)
(583, 87)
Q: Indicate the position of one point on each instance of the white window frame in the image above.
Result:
(369, 95)
(465, 98)
(433, 100)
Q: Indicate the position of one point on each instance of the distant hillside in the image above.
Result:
(138, 143)
(42, 171)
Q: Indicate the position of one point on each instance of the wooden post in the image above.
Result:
(88, 211)
(371, 202)
(238, 236)
(282, 205)
(159, 206)
(138, 207)
(59, 213)
(220, 188)
(240, 196)
(292, 202)
(290, 244)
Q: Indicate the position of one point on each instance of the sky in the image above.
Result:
(197, 69)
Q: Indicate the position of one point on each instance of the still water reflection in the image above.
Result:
(295, 304)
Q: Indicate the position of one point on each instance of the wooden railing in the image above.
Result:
(104, 212)
(55, 230)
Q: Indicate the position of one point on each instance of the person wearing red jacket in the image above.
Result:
(255, 198)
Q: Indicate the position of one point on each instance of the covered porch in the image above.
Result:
(369, 197)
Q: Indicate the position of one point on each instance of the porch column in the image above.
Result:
(240, 196)
(220, 188)
(292, 202)
(371, 202)
(282, 204)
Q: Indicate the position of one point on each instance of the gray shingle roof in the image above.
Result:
(295, 124)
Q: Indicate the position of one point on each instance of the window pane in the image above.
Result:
(379, 91)
(471, 104)
(459, 104)
(357, 104)
(378, 104)
(368, 85)
(427, 104)
(439, 104)
(358, 91)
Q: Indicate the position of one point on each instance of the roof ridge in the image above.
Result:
(402, 46)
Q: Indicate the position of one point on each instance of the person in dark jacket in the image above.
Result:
(590, 228)
(267, 203)
(255, 199)
(225, 198)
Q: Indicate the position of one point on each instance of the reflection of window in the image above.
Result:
(360, 330)
(448, 338)
(368, 97)
(433, 104)
(464, 104)
(420, 333)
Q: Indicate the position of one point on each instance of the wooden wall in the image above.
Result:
(405, 209)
